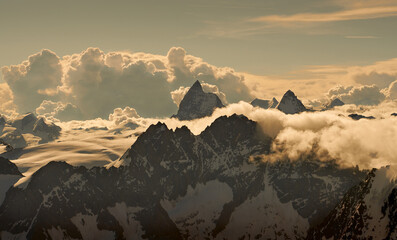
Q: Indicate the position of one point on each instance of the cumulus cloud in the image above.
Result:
(96, 82)
(6, 99)
(178, 94)
(34, 80)
(381, 73)
(124, 115)
(391, 92)
(361, 95)
(59, 110)
(187, 68)
(382, 80)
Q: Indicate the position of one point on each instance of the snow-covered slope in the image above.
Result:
(367, 211)
(172, 184)
(290, 104)
(28, 129)
(197, 103)
(77, 147)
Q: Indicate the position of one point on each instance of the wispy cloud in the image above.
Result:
(343, 15)
(361, 37)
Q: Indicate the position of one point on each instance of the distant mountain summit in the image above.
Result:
(266, 104)
(356, 116)
(11, 132)
(197, 103)
(334, 103)
(290, 104)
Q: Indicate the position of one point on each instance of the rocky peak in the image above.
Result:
(196, 87)
(25, 123)
(2, 121)
(290, 104)
(266, 104)
(47, 132)
(356, 116)
(8, 168)
(334, 103)
(197, 103)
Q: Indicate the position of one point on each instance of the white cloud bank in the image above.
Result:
(93, 83)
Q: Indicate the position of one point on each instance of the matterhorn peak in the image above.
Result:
(290, 104)
(196, 86)
(197, 103)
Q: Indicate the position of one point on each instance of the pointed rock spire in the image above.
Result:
(197, 103)
(197, 86)
(290, 104)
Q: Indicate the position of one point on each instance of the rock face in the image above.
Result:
(9, 175)
(266, 104)
(197, 103)
(367, 211)
(334, 103)
(176, 185)
(290, 104)
(2, 123)
(355, 116)
(8, 168)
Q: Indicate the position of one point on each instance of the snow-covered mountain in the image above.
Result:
(172, 184)
(367, 211)
(290, 104)
(197, 103)
(15, 132)
(266, 104)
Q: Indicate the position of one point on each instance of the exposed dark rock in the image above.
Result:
(290, 104)
(197, 103)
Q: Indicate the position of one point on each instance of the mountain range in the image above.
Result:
(223, 183)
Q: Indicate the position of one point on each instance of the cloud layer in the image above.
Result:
(327, 135)
(94, 83)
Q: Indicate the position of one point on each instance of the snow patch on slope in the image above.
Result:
(196, 212)
(265, 217)
(77, 147)
(127, 220)
(87, 225)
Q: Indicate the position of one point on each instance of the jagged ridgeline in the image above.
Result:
(172, 184)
